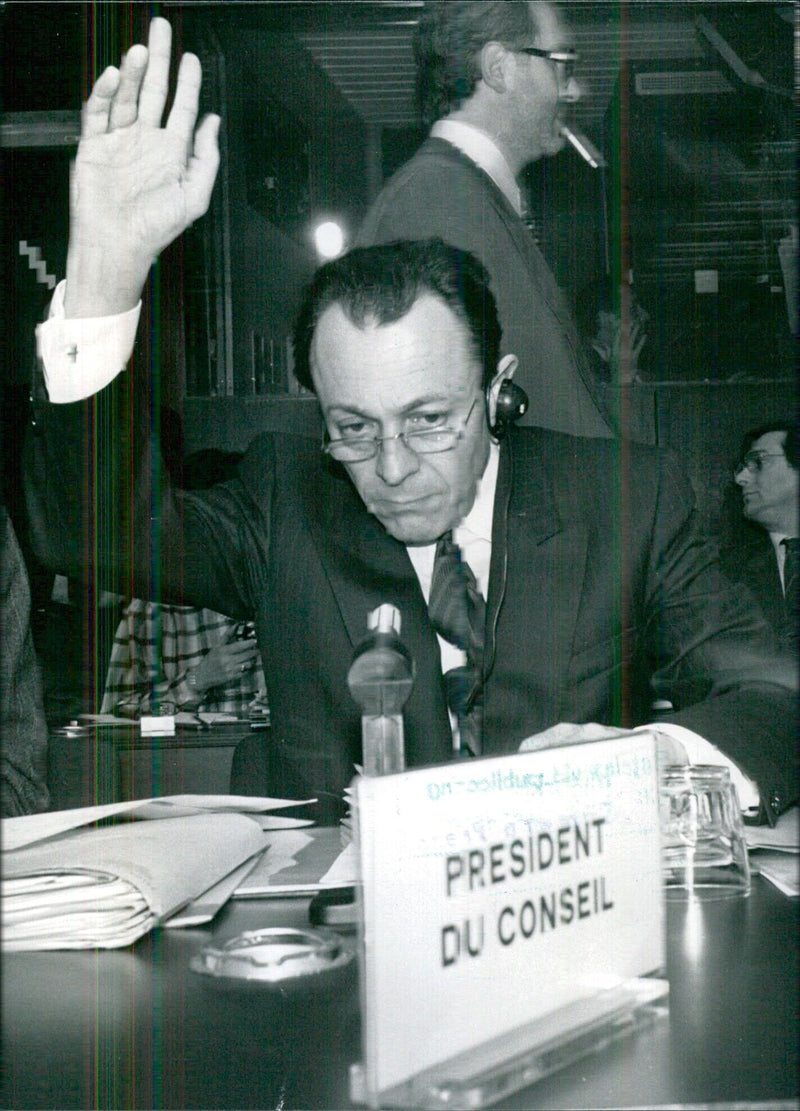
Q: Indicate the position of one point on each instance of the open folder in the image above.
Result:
(68, 883)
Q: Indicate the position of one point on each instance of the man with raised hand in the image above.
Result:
(589, 589)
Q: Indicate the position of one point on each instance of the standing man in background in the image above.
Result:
(769, 480)
(496, 81)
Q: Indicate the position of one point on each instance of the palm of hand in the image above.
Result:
(133, 183)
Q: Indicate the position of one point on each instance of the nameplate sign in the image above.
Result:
(499, 891)
(158, 725)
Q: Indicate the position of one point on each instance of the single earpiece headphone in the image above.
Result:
(512, 403)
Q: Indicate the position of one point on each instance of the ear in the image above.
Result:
(494, 60)
(506, 369)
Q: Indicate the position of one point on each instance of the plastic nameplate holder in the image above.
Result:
(511, 920)
(481, 1077)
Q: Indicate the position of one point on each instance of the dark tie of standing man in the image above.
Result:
(791, 591)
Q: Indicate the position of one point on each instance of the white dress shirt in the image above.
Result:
(82, 356)
(777, 539)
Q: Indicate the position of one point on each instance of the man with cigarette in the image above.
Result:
(496, 82)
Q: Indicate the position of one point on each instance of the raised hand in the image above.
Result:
(620, 346)
(136, 185)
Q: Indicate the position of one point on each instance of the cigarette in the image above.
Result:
(585, 148)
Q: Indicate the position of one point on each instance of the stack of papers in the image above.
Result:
(775, 851)
(301, 863)
(68, 883)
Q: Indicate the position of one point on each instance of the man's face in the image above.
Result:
(542, 91)
(418, 372)
(769, 495)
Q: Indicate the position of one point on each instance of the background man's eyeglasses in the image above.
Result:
(754, 461)
(565, 60)
(422, 441)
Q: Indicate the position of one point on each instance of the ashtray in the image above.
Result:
(274, 956)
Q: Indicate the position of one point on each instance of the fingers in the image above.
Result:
(235, 653)
(554, 737)
(203, 165)
(183, 114)
(137, 90)
(155, 86)
(124, 105)
(568, 733)
(97, 108)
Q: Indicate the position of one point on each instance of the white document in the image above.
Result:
(773, 851)
(784, 836)
(104, 887)
(205, 906)
(17, 832)
(300, 863)
(780, 868)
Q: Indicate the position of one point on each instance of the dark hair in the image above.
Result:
(791, 446)
(381, 284)
(447, 46)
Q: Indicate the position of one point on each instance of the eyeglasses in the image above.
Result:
(422, 441)
(566, 60)
(754, 461)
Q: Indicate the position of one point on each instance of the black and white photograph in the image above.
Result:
(399, 597)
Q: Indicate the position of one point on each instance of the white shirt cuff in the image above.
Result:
(81, 356)
(701, 751)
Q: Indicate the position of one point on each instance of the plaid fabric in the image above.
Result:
(155, 646)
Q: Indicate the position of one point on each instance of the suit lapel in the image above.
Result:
(761, 574)
(365, 568)
(538, 566)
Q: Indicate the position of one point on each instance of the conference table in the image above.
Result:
(136, 1028)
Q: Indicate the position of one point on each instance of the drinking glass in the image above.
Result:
(704, 852)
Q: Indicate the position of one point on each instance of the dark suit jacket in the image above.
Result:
(753, 564)
(441, 192)
(599, 583)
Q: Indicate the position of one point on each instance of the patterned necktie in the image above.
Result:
(458, 613)
(791, 592)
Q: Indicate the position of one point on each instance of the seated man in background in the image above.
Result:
(589, 586)
(23, 729)
(766, 560)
